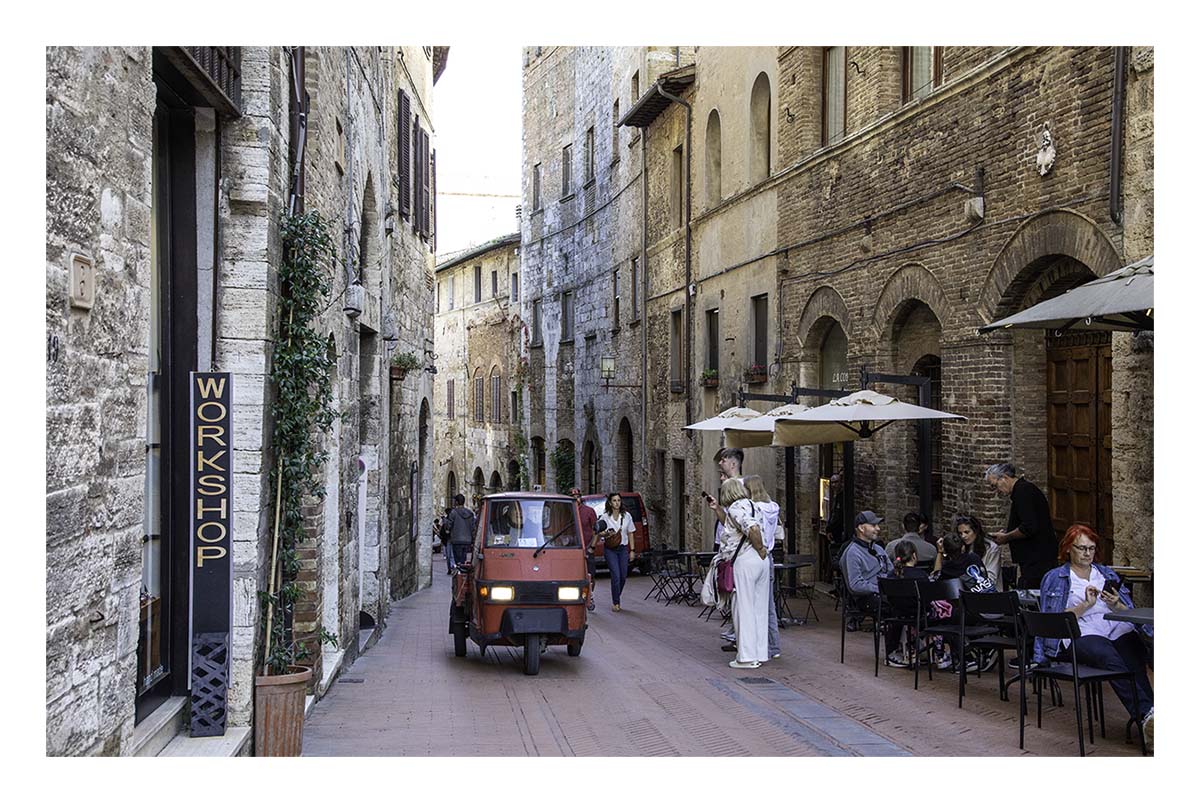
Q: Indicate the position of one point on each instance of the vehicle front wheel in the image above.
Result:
(533, 653)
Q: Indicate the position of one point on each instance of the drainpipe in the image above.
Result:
(687, 253)
(1117, 144)
(645, 277)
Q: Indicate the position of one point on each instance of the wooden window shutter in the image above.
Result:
(416, 173)
(404, 157)
(433, 200)
(425, 202)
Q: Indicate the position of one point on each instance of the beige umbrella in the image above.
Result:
(854, 415)
(761, 430)
(723, 420)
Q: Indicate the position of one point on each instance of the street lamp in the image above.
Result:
(608, 369)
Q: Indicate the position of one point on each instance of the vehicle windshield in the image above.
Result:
(531, 523)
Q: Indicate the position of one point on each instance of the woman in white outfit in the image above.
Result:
(768, 511)
(743, 544)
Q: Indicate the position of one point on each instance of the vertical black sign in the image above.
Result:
(211, 548)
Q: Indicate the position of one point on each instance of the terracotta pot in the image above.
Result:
(711, 382)
(397, 372)
(279, 712)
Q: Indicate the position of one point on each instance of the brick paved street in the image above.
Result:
(652, 682)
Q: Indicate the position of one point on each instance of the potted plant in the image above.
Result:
(756, 374)
(710, 378)
(303, 407)
(403, 363)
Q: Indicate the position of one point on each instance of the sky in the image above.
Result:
(477, 108)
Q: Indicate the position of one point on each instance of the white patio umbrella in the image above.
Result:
(853, 415)
(760, 431)
(724, 419)
(1122, 300)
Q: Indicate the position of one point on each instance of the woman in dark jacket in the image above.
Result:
(955, 560)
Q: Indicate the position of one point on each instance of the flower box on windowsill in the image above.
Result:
(711, 381)
(756, 377)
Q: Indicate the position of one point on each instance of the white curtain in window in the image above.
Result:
(835, 94)
(920, 71)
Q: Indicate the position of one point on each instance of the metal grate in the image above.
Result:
(756, 680)
(210, 683)
(223, 65)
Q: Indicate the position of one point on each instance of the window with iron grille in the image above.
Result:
(450, 399)
(712, 321)
(478, 396)
(535, 336)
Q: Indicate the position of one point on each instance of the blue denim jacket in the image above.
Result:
(1056, 587)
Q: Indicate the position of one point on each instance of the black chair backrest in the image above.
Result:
(941, 590)
(1051, 625)
(898, 588)
(991, 603)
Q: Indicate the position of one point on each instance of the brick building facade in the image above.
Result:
(176, 201)
(835, 208)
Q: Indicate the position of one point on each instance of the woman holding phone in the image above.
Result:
(1090, 590)
(616, 528)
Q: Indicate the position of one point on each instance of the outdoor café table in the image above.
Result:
(1137, 616)
(686, 588)
(781, 604)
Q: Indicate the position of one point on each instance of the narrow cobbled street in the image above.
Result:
(652, 681)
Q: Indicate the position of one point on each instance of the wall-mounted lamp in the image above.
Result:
(608, 369)
(353, 305)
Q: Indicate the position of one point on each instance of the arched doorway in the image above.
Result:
(514, 475)
(624, 456)
(477, 488)
(496, 484)
(591, 467)
(451, 489)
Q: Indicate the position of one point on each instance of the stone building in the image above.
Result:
(479, 392)
(168, 173)
(815, 211)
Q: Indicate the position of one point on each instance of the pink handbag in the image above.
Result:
(725, 570)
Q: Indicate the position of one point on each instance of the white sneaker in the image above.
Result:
(746, 665)
(1148, 729)
(775, 655)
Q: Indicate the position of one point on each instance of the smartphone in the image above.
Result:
(1112, 586)
(707, 495)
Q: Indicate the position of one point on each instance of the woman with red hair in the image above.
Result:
(1079, 586)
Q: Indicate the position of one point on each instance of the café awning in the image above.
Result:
(724, 419)
(854, 416)
(1122, 300)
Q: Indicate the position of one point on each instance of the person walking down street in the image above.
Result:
(617, 530)
(743, 545)
(1029, 534)
(587, 523)
(768, 509)
(462, 530)
(1090, 590)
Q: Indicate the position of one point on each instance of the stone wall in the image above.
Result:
(97, 204)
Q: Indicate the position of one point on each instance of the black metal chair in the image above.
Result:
(802, 589)
(899, 604)
(658, 572)
(851, 613)
(1002, 610)
(956, 630)
(1065, 626)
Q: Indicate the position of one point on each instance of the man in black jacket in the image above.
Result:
(462, 529)
(1029, 534)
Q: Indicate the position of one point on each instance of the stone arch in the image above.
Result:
(913, 282)
(712, 159)
(760, 128)
(451, 488)
(476, 487)
(496, 483)
(1057, 232)
(825, 302)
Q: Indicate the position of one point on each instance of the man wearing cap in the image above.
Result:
(864, 561)
(587, 523)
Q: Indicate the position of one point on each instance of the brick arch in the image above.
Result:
(825, 302)
(1058, 232)
(912, 282)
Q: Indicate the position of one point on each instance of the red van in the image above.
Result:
(631, 502)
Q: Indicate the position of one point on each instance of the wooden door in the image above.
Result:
(1079, 434)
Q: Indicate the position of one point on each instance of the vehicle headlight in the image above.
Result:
(502, 594)
(568, 593)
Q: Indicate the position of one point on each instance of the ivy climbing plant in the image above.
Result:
(563, 461)
(301, 413)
